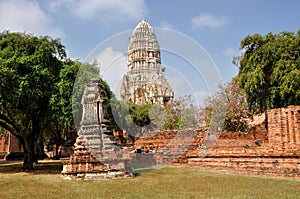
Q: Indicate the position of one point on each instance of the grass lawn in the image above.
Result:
(169, 182)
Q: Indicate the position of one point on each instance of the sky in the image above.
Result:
(198, 38)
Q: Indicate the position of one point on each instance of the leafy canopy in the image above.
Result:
(29, 69)
(269, 70)
(29, 66)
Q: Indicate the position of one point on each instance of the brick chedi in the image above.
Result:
(96, 155)
(145, 80)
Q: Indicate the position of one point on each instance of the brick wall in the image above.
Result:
(279, 153)
(4, 142)
(284, 130)
(9, 143)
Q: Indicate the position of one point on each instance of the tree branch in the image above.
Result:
(9, 128)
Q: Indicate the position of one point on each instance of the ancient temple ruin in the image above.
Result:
(144, 81)
(96, 155)
(270, 147)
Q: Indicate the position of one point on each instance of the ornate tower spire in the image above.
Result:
(144, 81)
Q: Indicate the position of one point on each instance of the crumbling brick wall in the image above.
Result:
(279, 153)
(284, 130)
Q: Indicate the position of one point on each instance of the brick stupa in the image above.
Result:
(96, 155)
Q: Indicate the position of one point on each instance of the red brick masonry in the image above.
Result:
(279, 153)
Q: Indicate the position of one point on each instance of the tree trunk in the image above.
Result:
(28, 155)
(28, 161)
(31, 144)
(266, 122)
(57, 137)
(57, 156)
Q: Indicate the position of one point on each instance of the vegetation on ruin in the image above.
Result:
(169, 182)
(230, 105)
(139, 119)
(269, 70)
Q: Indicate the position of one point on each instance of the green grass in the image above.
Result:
(169, 182)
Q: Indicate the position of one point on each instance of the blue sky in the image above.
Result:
(217, 25)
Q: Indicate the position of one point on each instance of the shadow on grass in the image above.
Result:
(43, 167)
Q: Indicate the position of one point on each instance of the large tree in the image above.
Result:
(269, 70)
(29, 70)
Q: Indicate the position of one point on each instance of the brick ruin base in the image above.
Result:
(88, 166)
(275, 151)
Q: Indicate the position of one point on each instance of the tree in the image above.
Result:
(62, 122)
(269, 70)
(29, 69)
(140, 114)
(231, 100)
(133, 118)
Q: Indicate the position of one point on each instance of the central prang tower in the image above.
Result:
(144, 81)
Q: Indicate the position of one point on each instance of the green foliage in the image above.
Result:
(61, 123)
(269, 70)
(61, 100)
(2, 130)
(140, 114)
(120, 114)
(29, 69)
(172, 117)
(139, 119)
(41, 90)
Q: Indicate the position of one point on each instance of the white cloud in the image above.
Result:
(26, 16)
(112, 67)
(166, 25)
(207, 20)
(104, 9)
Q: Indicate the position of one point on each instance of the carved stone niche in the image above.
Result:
(96, 155)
